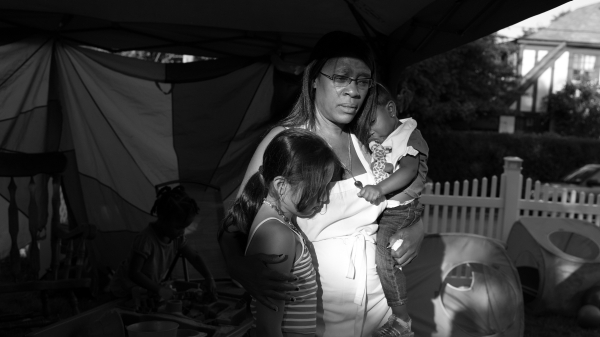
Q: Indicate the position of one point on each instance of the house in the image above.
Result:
(567, 50)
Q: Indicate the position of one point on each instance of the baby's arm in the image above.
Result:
(198, 262)
(409, 167)
(139, 278)
(272, 237)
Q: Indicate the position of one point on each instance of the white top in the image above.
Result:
(398, 142)
(345, 213)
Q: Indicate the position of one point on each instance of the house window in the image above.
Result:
(529, 122)
(583, 66)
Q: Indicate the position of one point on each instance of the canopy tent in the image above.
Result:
(403, 31)
(129, 125)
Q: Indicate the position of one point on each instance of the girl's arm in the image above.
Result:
(198, 263)
(273, 237)
(261, 282)
(139, 278)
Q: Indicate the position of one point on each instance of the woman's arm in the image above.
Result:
(274, 238)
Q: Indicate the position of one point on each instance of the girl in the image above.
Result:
(292, 182)
(154, 249)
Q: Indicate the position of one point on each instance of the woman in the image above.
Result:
(336, 103)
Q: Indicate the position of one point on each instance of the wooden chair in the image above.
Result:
(69, 254)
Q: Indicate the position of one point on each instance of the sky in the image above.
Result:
(544, 19)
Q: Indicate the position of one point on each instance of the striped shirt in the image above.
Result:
(300, 316)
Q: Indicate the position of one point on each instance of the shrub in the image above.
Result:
(458, 156)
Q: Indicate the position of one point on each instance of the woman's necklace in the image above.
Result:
(357, 183)
(285, 218)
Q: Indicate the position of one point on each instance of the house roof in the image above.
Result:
(579, 26)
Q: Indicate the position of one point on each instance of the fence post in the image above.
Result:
(512, 193)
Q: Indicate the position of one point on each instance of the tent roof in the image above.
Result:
(406, 30)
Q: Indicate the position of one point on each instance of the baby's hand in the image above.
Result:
(389, 168)
(372, 194)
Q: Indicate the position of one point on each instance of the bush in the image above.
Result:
(458, 156)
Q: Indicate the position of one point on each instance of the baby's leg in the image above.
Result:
(392, 278)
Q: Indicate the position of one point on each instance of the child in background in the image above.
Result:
(400, 167)
(154, 248)
(292, 182)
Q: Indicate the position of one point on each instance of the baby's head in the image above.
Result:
(386, 115)
(297, 167)
(175, 210)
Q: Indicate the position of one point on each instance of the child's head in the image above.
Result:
(386, 115)
(299, 164)
(175, 210)
(297, 167)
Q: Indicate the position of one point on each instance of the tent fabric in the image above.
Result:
(405, 31)
(558, 259)
(24, 74)
(464, 285)
(126, 129)
(127, 125)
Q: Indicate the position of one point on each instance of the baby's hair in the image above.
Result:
(173, 205)
(383, 95)
(402, 100)
(298, 155)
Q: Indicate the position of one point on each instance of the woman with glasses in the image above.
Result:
(337, 102)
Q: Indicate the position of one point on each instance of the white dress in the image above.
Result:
(343, 238)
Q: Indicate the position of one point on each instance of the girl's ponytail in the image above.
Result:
(243, 211)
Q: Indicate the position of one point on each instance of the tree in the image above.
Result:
(471, 81)
(575, 110)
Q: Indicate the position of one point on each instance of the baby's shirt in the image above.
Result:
(406, 140)
(398, 142)
(394, 147)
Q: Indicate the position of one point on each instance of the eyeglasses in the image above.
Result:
(341, 81)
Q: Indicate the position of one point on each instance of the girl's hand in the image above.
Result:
(212, 289)
(262, 282)
(412, 236)
(372, 194)
(165, 293)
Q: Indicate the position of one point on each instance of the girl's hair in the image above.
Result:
(173, 205)
(333, 45)
(302, 158)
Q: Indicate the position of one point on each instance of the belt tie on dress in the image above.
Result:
(358, 261)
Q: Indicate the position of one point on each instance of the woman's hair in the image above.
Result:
(333, 45)
(302, 158)
(173, 205)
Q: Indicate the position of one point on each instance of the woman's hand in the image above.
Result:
(412, 236)
(262, 282)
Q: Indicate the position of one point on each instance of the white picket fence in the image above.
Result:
(492, 207)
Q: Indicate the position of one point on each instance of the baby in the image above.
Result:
(399, 163)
